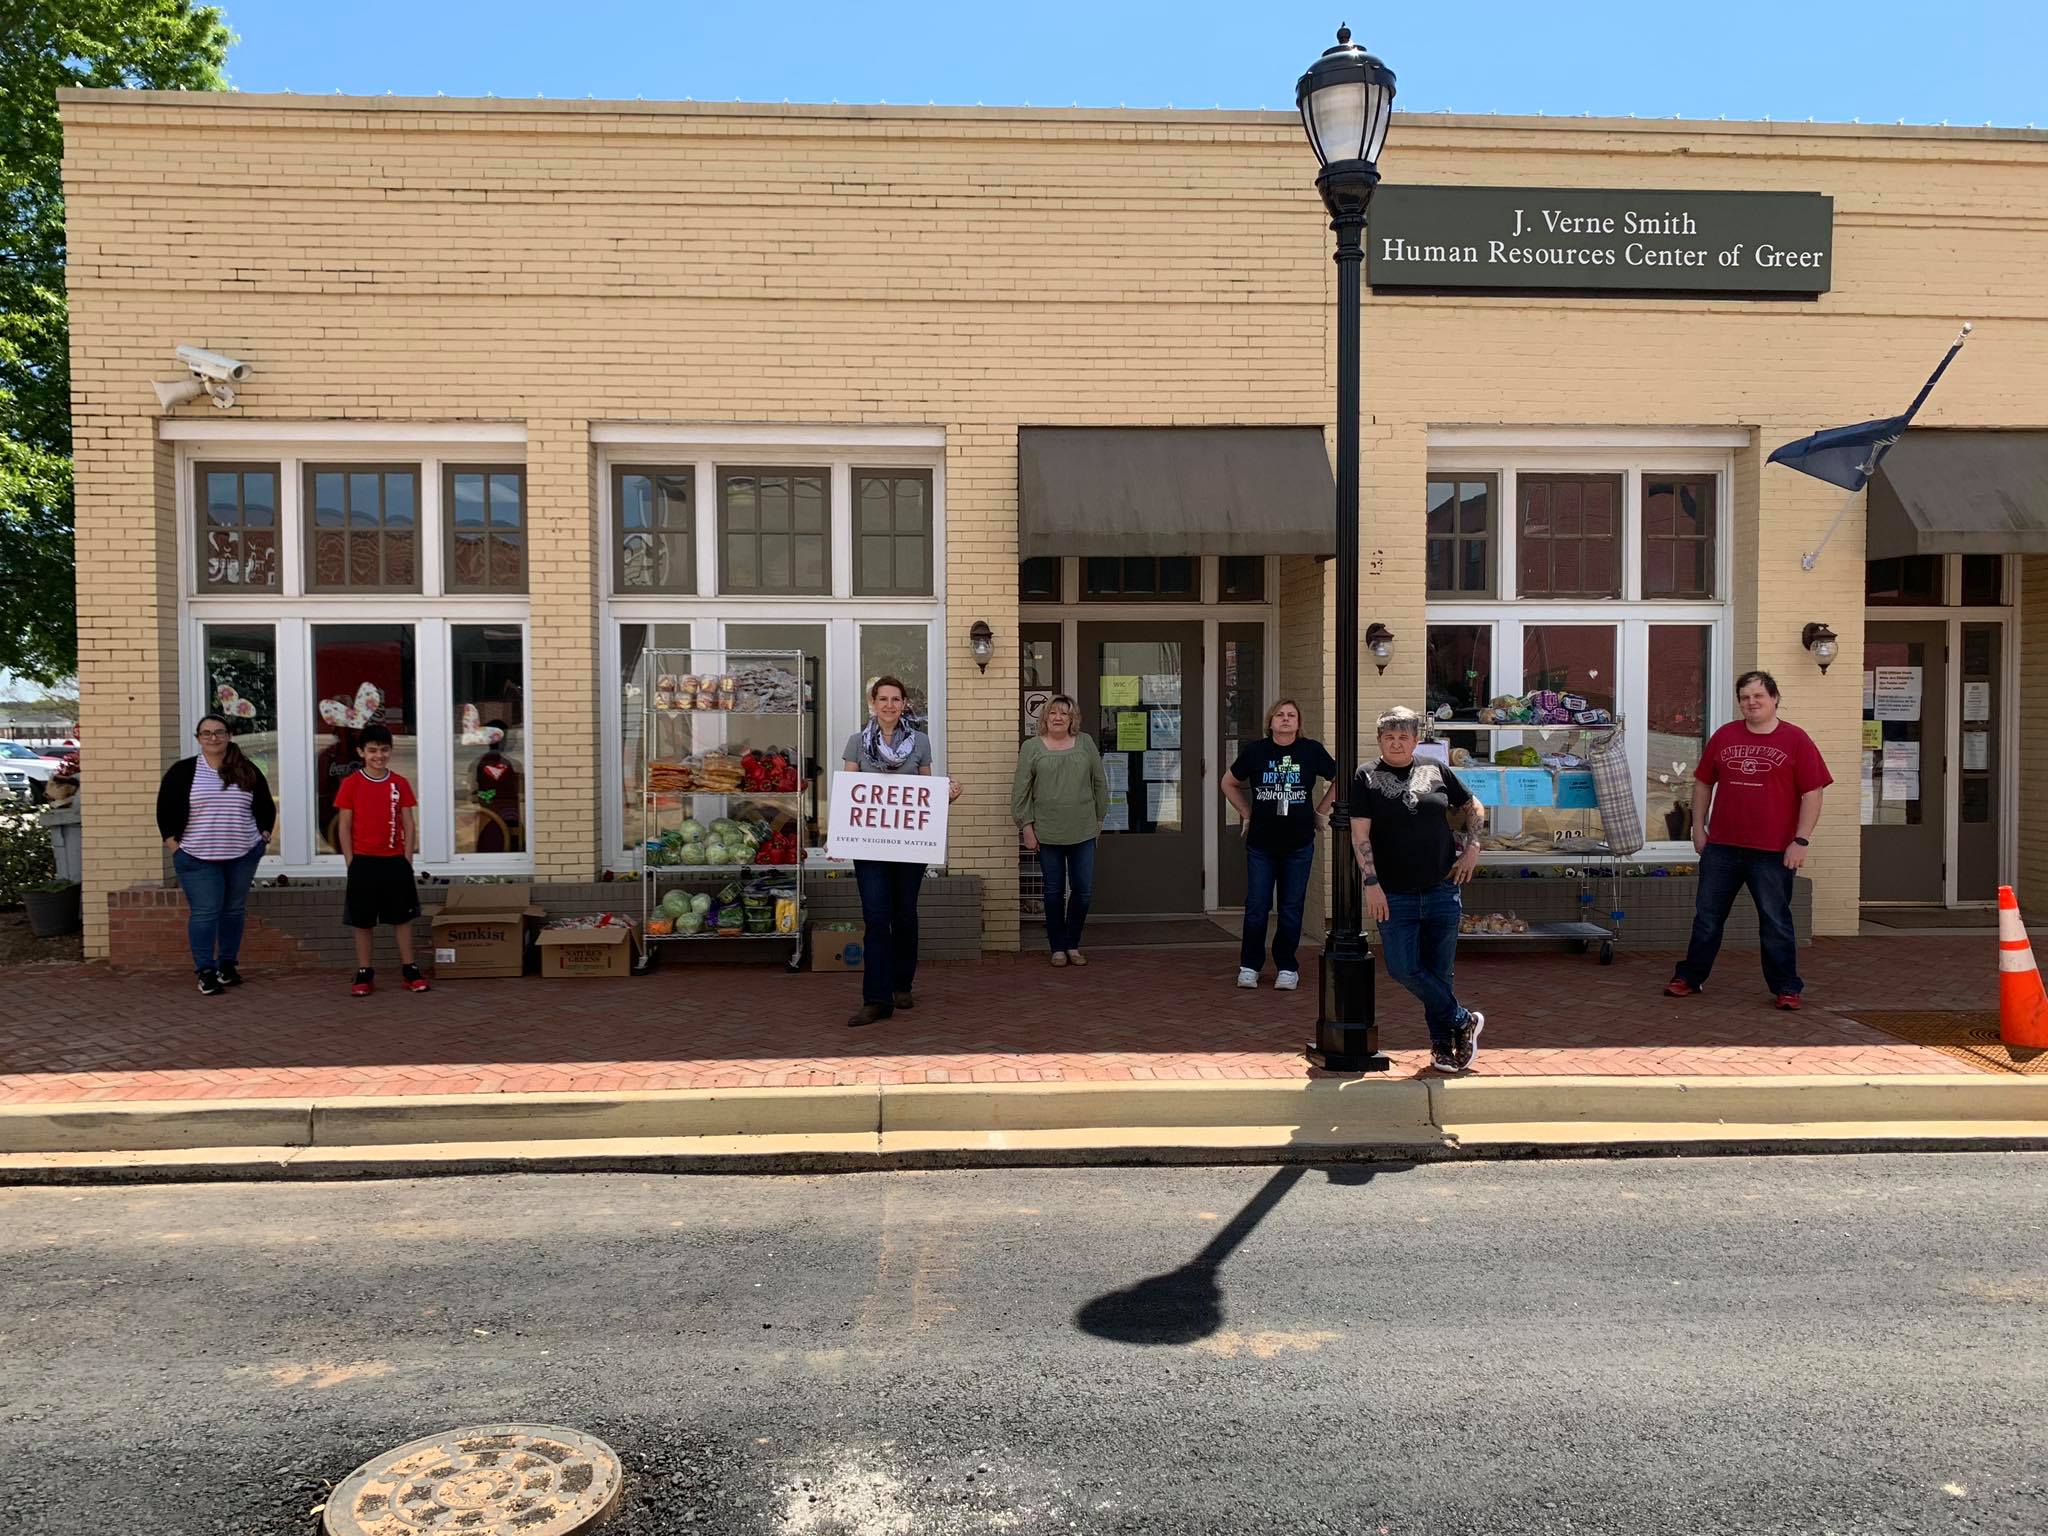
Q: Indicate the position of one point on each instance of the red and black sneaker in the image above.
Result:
(1678, 986)
(364, 984)
(414, 981)
(1789, 1002)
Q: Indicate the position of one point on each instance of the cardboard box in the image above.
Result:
(484, 930)
(607, 951)
(835, 946)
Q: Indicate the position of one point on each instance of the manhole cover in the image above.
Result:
(518, 1479)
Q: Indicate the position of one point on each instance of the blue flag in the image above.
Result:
(1844, 456)
(1849, 456)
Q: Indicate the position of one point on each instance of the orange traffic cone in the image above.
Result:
(2022, 1003)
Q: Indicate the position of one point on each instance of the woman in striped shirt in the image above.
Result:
(215, 814)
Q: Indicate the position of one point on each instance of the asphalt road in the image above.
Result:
(1780, 1345)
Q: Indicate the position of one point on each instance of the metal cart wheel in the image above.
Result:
(1607, 953)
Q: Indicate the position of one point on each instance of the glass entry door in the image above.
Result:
(1902, 775)
(1141, 698)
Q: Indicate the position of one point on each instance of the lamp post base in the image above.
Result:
(1347, 1036)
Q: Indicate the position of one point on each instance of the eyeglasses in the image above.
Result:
(211, 735)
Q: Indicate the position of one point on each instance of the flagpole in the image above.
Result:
(1884, 445)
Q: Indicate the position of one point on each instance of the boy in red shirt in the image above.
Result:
(1763, 777)
(376, 837)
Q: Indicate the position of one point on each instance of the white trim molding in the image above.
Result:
(1589, 437)
(187, 430)
(857, 439)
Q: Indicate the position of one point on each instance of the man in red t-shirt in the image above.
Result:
(1755, 803)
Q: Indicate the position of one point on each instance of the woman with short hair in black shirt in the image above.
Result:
(1271, 785)
(1416, 830)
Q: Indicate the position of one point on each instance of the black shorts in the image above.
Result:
(380, 890)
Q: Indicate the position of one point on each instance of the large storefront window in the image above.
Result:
(634, 640)
(362, 673)
(901, 651)
(1675, 724)
(487, 668)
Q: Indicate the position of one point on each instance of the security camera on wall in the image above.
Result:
(212, 374)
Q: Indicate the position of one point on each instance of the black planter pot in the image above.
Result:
(51, 914)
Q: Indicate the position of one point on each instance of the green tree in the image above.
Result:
(45, 46)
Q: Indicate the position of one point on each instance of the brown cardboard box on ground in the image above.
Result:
(482, 931)
(835, 946)
(606, 951)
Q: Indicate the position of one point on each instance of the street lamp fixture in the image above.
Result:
(1379, 641)
(1824, 644)
(1347, 101)
(981, 640)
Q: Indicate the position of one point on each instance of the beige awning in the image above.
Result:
(1174, 491)
(1961, 493)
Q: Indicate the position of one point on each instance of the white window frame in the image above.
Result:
(844, 451)
(1632, 455)
(291, 613)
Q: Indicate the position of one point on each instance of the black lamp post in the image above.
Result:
(1346, 101)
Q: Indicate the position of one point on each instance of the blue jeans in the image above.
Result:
(1420, 942)
(888, 905)
(1069, 870)
(217, 890)
(1723, 872)
(1263, 873)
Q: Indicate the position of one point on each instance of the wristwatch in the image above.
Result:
(1802, 842)
(1369, 880)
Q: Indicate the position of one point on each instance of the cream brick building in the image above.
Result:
(575, 304)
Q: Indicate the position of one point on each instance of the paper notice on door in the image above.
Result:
(1867, 808)
(1118, 817)
(1976, 701)
(1162, 803)
(1902, 757)
(1162, 767)
(1976, 751)
(1901, 784)
(1873, 735)
(1160, 688)
(1130, 730)
(1897, 694)
(1869, 689)
(1120, 692)
(1166, 729)
(1117, 769)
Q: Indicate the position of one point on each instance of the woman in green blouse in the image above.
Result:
(1059, 798)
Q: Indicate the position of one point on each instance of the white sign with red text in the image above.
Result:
(899, 818)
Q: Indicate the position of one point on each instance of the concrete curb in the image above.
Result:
(962, 1125)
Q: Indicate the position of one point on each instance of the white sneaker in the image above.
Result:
(1287, 981)
(1247, 977)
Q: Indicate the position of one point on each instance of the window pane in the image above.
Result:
(508, 561)
(489, 677)
(742, 570)
(363, 505)
(361, 673)
(1178, 575)
(328, 500)
(1675, 710)
(1442, 566)
(1242, 578)
(364, 525)
(636, 502)
(810, 557)
(903, 651)
(506, 501)
(1039, 577)
(466, 561)
(241, 683)
(1459, 667)
(1440, 518)
(634, 639)
(1983, 580)
(398, 500)
(259, 499)
(223, 503)
(831, 735)
(1473, 578)
(875, 514)
(469, 501)
(1570, 658)
(1140, 576)
(1908, 581)
(910, 508)
(1101, 576)
(1474, 506)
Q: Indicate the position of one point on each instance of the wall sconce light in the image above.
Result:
(1824, 644)
(1379, 641)
(982, 641)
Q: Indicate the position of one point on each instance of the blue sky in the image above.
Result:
(1965, 61)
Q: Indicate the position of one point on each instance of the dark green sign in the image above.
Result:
(1599, 241)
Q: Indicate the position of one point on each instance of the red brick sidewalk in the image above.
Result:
(84, 1034)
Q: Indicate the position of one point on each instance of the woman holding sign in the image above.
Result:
(889, 890)
(1058, 799)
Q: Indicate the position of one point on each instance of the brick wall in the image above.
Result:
(556, 264)
(299, 926)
